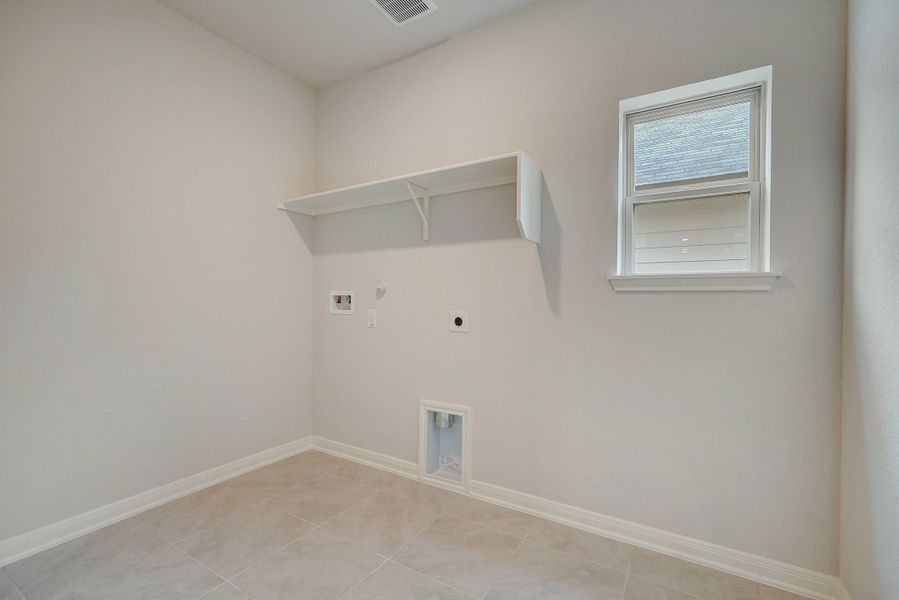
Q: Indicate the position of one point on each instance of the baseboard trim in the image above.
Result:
(377, 460)
(798, 580)
(32, 542)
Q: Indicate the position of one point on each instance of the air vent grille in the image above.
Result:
(401, 12)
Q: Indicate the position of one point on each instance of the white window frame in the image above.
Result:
(753, 85)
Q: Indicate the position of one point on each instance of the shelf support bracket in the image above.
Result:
(423, 205)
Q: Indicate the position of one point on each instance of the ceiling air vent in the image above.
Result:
(401, 12)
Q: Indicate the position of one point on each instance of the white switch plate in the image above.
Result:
(458, 321)
(372, 318)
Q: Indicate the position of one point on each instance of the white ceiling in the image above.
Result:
(322, 41)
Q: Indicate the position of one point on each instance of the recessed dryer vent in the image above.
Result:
(444, 443)
(400, 12)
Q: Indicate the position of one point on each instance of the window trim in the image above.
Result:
(715, 92)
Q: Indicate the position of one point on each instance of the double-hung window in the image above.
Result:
(694, 179)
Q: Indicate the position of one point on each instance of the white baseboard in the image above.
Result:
(798, 580)
(805, 582)
(366, 457)
(757, 568)
(32, 542)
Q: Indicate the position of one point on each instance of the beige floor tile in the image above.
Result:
(582, 544)
(508, 521)
(770, 593)
(468, 545)
(640, 589)
(226, 592)
(230, 547)
(392, 581)
(319, 566)
(322, 497)
(54, 571)
(367, 475)
(382, 523)
(166, 573)
(422, 493)
(188, 515)
(697, 580)
(537, 572)
(8, 590)
(268, 481)
(459, 553)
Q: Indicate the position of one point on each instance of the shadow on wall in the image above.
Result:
(305, 226)
(472, 216)
(550, 251)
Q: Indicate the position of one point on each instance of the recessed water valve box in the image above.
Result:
(340, 303)
(445, 444)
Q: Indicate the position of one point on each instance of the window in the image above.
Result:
(694, 179)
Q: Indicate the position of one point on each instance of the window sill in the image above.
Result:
(695, 282)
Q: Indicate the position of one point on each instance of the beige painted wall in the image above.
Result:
(869, 544)
(712, 415)
(154, 305)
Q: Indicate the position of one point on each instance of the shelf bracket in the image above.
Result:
(423, 205)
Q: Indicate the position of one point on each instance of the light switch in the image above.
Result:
(372, 320)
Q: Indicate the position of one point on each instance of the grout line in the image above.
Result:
(395, 552)
(211, 570)
(417, 533)
(361, 581)
(181, 539)
(585, 559)
(577, 556)
(492, 527)
(266, 557)
(354, 544)
(219, 586)
(465, 493)
(334, 516)
(353, 505)
(627, 578)
(214, 525)
(505, 565)
(442, 513)
(313, 526)
(287, 513)
(373, 492)
(434, 579)
(389, 559)
(241, 590)
(15, 586)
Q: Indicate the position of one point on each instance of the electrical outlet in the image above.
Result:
(458, 321)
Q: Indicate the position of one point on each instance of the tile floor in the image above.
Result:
(315, 527)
